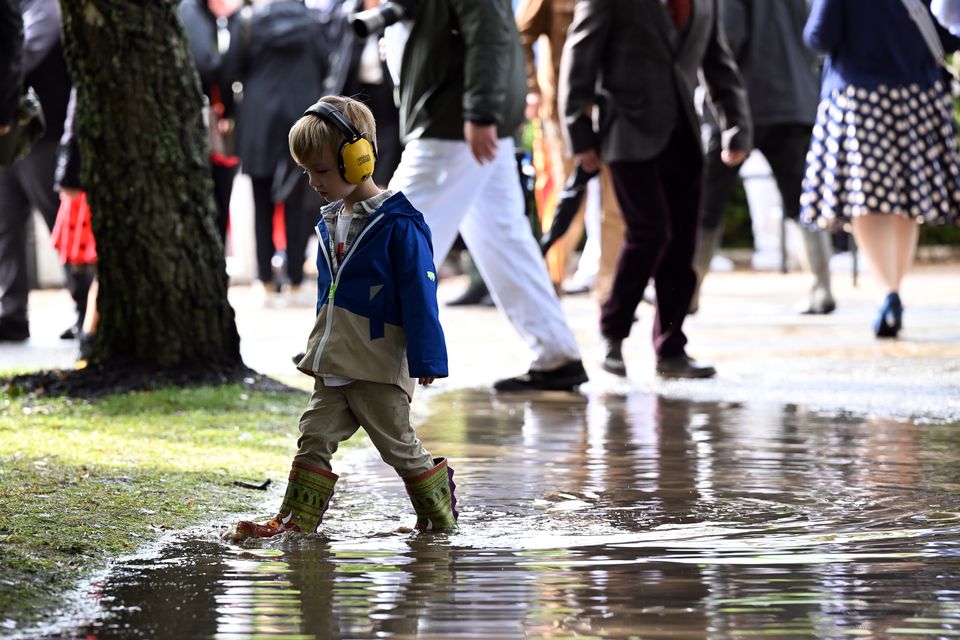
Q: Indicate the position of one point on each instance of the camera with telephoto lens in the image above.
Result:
(374, 21)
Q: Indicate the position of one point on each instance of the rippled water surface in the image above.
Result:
(605, 516)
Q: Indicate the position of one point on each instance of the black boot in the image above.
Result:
(613, 357)
(818, 249)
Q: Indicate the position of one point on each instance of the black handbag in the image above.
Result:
(27, 127)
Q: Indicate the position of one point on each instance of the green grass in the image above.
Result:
(84, 482)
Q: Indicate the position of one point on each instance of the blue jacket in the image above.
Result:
(869, 43)
(377, 318)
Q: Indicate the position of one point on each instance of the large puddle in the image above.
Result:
(602, 516)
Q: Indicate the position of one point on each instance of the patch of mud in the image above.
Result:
(97, 381)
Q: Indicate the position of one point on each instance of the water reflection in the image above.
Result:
(607, 516)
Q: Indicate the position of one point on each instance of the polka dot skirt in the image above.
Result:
(892, 150)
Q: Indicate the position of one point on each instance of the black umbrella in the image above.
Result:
(568, 203)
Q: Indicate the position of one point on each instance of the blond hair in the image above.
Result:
(311, 136)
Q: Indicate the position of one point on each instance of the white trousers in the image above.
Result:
(484, 203)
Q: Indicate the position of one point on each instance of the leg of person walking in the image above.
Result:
(674, 277)
(888, 242)
(907, 233)
(263, 228)
(444, 181)
(510, 262)
(14, 286)
(223, 177)
(561, 166)
(612, 232)
(785, 148)
(35, 174)
(660, 201)
(875, 234)
(645, 211)
(720, 181)
(301, 211)
(585, 277)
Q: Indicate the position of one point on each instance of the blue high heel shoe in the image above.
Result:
(890, 317)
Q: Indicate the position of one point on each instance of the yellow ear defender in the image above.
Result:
(357, 155)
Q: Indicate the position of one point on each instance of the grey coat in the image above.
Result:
(632, 49)
(766, 37)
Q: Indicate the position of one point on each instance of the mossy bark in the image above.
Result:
(163, 283)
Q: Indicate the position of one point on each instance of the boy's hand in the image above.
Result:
(426, 380)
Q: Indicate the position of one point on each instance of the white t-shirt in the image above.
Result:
(343, 228)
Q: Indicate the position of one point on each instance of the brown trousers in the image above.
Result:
(383, 410)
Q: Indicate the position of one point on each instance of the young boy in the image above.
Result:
(377, 331)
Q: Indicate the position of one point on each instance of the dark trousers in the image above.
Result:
(26, 185)
(223, 177)
(785, 148)
(301, 213)
(660, 201)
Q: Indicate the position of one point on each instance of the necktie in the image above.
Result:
(679, 11)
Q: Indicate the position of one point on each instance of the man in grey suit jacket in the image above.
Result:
(647, 55)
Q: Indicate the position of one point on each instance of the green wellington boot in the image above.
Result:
(309, 489)
(433, 498)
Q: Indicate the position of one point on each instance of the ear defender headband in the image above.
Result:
(357, 155)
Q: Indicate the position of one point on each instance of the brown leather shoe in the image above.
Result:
(683, 366)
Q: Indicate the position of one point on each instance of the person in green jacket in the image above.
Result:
(462, 95)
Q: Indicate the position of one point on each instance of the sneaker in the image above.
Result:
(13, 330)
(683, 366)
(564, 378)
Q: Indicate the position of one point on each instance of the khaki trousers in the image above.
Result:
(612, 229)
(561, 166)
(383, 410)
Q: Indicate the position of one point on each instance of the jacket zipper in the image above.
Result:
(333, 285)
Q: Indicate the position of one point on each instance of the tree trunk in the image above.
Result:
(163, 283)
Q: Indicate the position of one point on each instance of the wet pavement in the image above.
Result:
(614, 516)
(812, 490)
